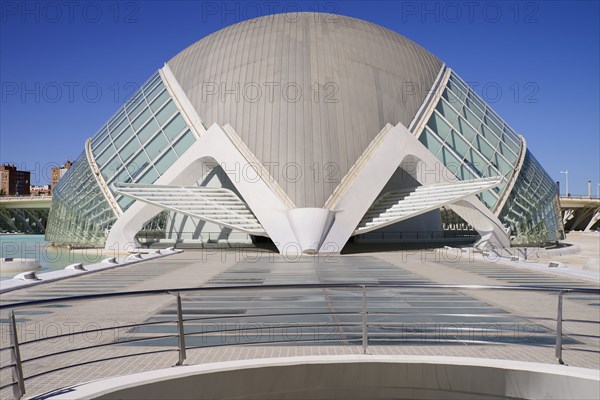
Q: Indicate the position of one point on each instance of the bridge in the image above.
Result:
(580, 213)
(24, 214)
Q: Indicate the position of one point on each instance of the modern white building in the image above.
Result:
(307, 129)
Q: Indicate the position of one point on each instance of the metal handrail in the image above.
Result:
(16, 354)
(88, 331)
(362, 335)
(579, 197)
(27, 197)
(174, 291)
(58, 353)
(99, 360)
(7, 366)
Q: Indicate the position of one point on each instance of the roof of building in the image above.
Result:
(306, 92)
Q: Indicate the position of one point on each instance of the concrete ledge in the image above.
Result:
(27, 276)
(15, 283)
(76, 266)
(590, 274)
(350, 377)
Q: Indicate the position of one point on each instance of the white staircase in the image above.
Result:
(399, 205)
(218, 205)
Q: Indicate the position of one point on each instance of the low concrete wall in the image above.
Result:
(8, 285)
(349, 377)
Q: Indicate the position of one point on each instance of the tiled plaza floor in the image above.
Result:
(240, 324)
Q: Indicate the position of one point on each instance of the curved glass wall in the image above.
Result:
(471, 140)
(532, 209)
(80, 214)
(144, 138)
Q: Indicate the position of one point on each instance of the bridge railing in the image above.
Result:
(25, 198)
(579, 197)
(361, 325)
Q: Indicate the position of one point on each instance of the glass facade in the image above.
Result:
(532, 209)
(80, 215)
(137, 145)
(148, 134)
(472, 141)
(143, 140)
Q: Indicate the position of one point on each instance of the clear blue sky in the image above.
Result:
(65, 67)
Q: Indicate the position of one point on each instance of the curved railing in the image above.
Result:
(361, 335)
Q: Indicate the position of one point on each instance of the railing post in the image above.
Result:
(559, 317)
(365, 334)
(16, 354)
(181, 332)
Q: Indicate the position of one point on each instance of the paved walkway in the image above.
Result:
(588, 256)
(239, 325)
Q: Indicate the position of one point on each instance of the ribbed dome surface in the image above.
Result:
(307, 92)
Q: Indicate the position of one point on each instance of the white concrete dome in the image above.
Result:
(261, 76)
(324, 128)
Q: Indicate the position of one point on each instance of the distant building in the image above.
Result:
(39, 190)
(58, 173)
(13, 181)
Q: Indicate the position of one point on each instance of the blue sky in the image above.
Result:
(66, 67)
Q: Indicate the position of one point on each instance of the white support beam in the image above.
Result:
(217, 205)
(400, 205)
(595, 219)
(567, 214)
(399, 148)
(213, 148)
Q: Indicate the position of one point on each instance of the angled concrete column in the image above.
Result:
(310, 226)
(308, 230)
(215, 147)
(594, 220)
(397, 147)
